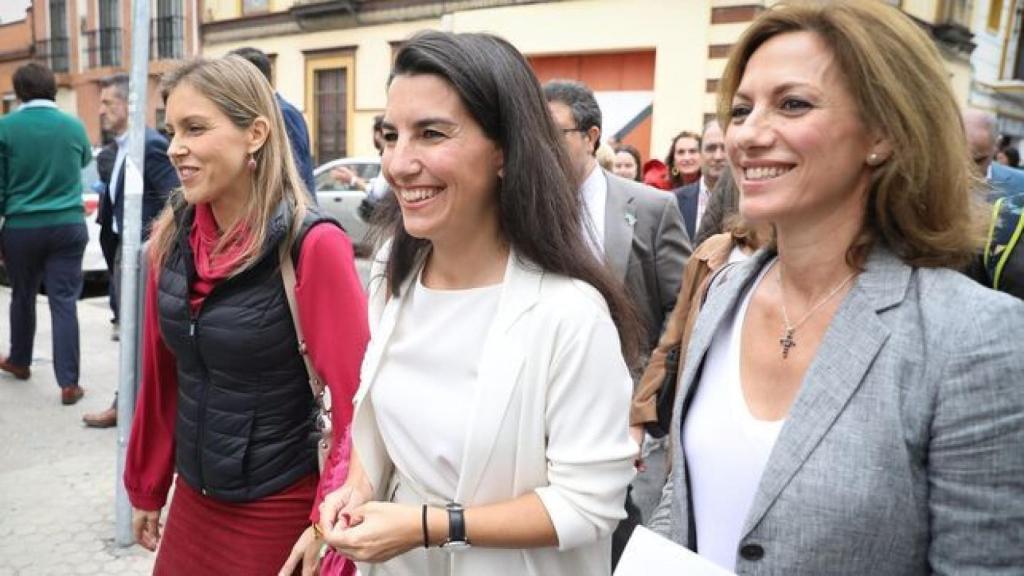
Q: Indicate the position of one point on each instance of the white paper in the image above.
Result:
(647, 553)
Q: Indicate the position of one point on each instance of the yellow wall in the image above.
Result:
(926, 10)
(676, 30)
(372, 64)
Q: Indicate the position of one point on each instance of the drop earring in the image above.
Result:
(251, 164)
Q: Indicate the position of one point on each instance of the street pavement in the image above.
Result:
(57, 477)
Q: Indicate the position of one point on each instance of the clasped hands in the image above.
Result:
(368, 531)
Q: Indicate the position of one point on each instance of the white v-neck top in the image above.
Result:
(726, 447)
(428, 381)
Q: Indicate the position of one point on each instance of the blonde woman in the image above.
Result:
(850, 405)
(225, 401)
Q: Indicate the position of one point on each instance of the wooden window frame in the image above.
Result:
(329, 61)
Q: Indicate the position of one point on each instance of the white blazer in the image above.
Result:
(551, 417)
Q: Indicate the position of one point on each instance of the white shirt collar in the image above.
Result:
(594, 191)
(121, 139)
(38, 103)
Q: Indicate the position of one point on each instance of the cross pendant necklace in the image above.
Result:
(788, 328)
(787, 342)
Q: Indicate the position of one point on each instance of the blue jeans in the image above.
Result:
(50, 254)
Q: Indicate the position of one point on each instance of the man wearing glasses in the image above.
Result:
(636, 230)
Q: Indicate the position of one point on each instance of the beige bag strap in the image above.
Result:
(320, 392)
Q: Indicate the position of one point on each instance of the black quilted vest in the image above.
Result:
(244, 425)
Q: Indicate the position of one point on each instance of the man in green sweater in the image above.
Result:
(42, 153)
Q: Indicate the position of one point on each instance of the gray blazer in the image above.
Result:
(646, 247)
(903, 452)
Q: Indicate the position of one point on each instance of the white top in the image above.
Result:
(425, 391)
(703, 195)
(115, 174)
(595, 195)
(726, 447)
(38, 103)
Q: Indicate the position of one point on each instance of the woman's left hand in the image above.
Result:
(378, 532)
(305, 554)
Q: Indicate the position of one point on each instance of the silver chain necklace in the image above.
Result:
(789, 328)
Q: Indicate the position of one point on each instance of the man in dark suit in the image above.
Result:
(693, 198)
(637, 230)
(294, 123)
(158, 179)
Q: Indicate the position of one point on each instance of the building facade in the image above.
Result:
(652, 63)
(83, 41)
(998, 63)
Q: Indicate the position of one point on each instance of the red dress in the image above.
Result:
(203, 536)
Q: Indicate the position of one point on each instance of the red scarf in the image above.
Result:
(210, 268)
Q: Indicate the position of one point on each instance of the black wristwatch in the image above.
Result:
(456, 528)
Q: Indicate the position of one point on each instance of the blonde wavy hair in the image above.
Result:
(241, 93)
(926, 201)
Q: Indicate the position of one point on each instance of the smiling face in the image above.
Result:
(686, 155)
(207, 149)
(797, 145)
(440, 164)
(625, 165)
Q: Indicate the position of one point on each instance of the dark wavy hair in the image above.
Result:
(674, 176)
(539, 208)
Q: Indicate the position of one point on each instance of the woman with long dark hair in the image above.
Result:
(490, 429)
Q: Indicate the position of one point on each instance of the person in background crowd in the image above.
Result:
(693, 198)
(723, 203)
(605, 156)
(636, 230)
(1000, 264)
(487, 437)
(1009, 156)
(294, 123)
(376, 188)
(655, 175)
(158, 178)
(982, 140)
(849, 404)
(736, 244)
(683, 160)
(42, 153)
(627, 163)
(225, 402)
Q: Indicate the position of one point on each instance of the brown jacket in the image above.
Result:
(711, 255)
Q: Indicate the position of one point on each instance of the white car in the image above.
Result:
(342, 200)
(94, 267)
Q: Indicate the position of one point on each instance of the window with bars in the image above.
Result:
(168, 31)
(108, 38)
(54, 50)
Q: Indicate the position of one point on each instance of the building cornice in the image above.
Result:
(317, 15)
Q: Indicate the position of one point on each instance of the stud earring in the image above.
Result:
(251, 164)
(873, 159)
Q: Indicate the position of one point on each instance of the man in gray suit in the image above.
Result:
(638, 231)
